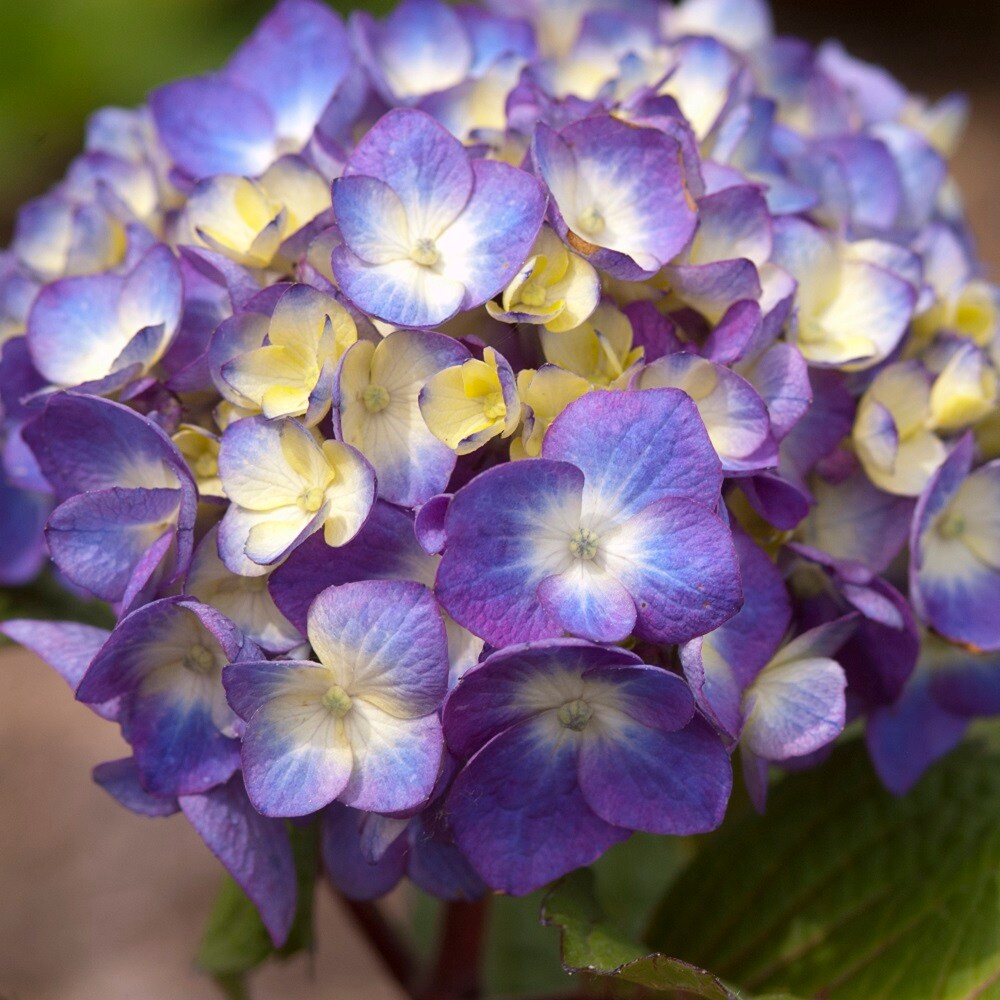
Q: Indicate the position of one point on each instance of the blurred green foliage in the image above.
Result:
(62, 59)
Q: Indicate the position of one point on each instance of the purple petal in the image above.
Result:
(210, 126)
(74, 334)
(676, 559)
(494, 558)
(254, 850)
(422, 162)
(120, 779)
(484, 248)
(644, 779)
(346, 865)
(487, 699)
(589, 603)
(99, 539)
(635, 214)
(385, 548)
(294, 61)
(636, 447)
(391, 637)
(905, 738)
(518, 814)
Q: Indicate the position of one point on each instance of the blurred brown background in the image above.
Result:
(97, 904)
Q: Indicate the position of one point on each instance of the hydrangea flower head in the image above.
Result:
(485, 421)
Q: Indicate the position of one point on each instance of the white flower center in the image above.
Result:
(337, 701)
(591, 222)
(375, 398)
(575, 715)
(425, 252)
(312, 499)
(583, 543)
(199, 659)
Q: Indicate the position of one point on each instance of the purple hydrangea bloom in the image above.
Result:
(611, 531)
(359, 727)
(426, 230)
(570, 747)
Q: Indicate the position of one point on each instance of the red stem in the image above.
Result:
(380, 935)
(457, 971)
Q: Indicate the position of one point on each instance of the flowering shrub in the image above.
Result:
(487, 423)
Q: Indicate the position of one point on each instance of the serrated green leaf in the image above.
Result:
(591, 944)
(843, 892)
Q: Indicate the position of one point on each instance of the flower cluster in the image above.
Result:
(484, 422)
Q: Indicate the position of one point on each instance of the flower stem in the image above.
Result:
(457, 970)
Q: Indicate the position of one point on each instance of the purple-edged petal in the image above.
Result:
(589, 602)
(99, 539)
(74, 334)
(854, 520)
(346, 865)
(630, 213)
(421, 48)
(518, 814)
(296, 754)
(794, 708)
(955, 555)
(385, 548)
(210, 126)
(120, 779)
(487, 244)
(781, 376)
(386, 639)
(734, 415)
(85, 443)
(372, 219)
(294, 61)
(720, 665)
(634, 448)
(254, 850)
(905, 738)
(164, 661)
(676, 559)
(396, 761)
(507, 530)
(662, 782)
(422, 162)
(401, 292)
(515, 683)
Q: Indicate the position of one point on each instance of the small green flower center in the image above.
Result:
(337, 701)
(591, 222)
(206, 466)
(583, 543)
(199, 659)
(375, 398)
(425, 252)
(312, 499)
(575, 715)
(952, 526)
(533, 294)
(494, 408)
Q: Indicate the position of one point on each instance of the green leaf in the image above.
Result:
(236, 941)
(520, 957)
(591, 944)
(843, 892)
